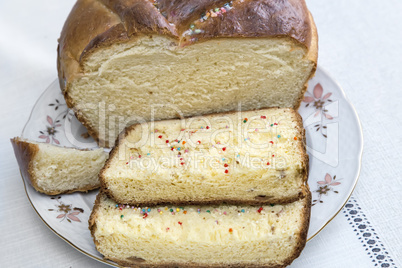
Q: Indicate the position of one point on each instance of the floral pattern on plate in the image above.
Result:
(324, 187)
(68, 212)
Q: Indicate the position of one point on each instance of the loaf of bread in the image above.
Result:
(56, 170)
(121, 62)
(253, 157)
(200, 236)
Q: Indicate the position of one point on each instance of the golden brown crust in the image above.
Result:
(93, 24)
(25, 153)
(302, 239)
(267, 200)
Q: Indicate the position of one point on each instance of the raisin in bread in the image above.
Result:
(201, 236)
(55, 170)
(121, 62)
(253, 157)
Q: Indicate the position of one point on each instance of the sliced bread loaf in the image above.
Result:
(201, 236)
(55, 170)
(121, 62)
(253, 157)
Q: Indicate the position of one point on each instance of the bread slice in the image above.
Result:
(200, 236)
(253, 157)
(56, 170)
(121, 62)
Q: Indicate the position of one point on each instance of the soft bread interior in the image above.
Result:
(58, 169)
(254, 156)
(206, 235)
(153, 77)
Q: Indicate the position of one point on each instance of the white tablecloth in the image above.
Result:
(360, 45)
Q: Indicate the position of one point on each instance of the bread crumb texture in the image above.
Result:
(153, 77)
(64, 169)
(255, 156)
(205, 235)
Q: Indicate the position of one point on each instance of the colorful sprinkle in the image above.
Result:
(198, 142)
(160, 136)
(295, 138)
(171, 210)
(177, 209)
(245, 120)
(180, 223)
(259, 210)
(207, 127)
(121, 216)
(230, 230)
(268, 163)
(243, 210)
(184, 212)
(263, 117)
(279, 136)
(226, 171)
(208, 211)
(225, 165)
(145, 215)
(167, 141)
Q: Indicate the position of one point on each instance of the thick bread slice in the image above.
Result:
(200, 236)
(121, 62)
(54, 170)
(253, 157)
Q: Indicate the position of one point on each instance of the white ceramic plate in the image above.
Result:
(334, 143)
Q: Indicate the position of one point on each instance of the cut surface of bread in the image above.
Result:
(55, 170)
(202, 236)
(181, 65)
(253, 157)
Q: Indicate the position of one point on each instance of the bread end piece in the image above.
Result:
(54, 170)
